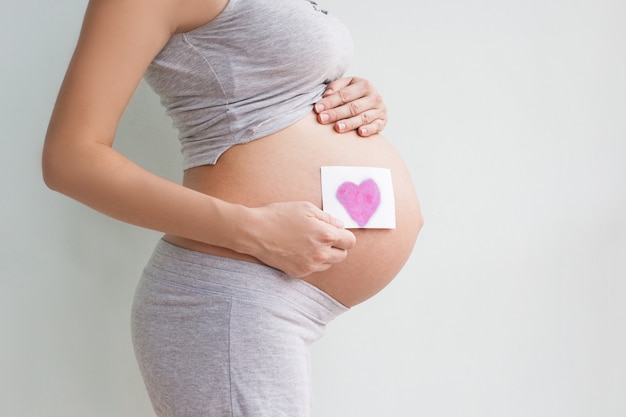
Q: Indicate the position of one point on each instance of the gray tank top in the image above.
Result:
(255, 69)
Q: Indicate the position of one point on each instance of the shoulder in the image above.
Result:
(169, 15)
(118, 41)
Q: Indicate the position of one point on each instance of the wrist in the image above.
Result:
(239, 229)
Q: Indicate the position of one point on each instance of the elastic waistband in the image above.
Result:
(244, 279)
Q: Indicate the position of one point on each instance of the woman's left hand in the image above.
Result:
(352, 103)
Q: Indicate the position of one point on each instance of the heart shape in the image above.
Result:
(360, 201)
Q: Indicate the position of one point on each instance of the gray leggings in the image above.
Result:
(217, 337)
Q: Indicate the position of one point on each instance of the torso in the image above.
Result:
(285, 166)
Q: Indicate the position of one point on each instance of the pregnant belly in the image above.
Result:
(285, 166)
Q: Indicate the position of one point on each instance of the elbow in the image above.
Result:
(52, 170)
(60, 162)
(70, 170)
(47, 172)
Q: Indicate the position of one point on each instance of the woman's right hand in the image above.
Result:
(296, 237)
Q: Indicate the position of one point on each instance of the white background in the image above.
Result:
(512, 118)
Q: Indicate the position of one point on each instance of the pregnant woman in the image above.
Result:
(250, 268)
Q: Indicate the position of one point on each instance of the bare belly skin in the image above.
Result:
(285, 166)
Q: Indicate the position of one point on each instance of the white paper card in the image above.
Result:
(361, 197)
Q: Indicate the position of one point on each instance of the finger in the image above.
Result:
(367, 123)
(335, 96)
(337, 85)
(367, 108)
(343, 96)
(371, 129)
(339, 237)
(344, 240)
(346, 104)
(363, 111)
(327, 218)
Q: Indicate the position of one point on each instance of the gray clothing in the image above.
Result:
(217, 337)
(255, 69)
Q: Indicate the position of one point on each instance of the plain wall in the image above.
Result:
(512, 118)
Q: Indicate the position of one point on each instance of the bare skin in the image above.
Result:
(285, 167)
(118, 40)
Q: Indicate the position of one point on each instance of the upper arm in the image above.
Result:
(118, 40)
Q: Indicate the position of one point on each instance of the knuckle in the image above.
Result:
(327, 238)
(354, 108)
(332, 115)
(365, 118)
(318, 257)
(343, 96)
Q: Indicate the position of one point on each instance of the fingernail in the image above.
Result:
(319, 108)
(324, 117)
(341, 126)
(363, 131)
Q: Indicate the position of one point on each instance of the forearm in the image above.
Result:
(79, 160)
(100, 177)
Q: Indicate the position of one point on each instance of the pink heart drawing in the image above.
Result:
(360, 201)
